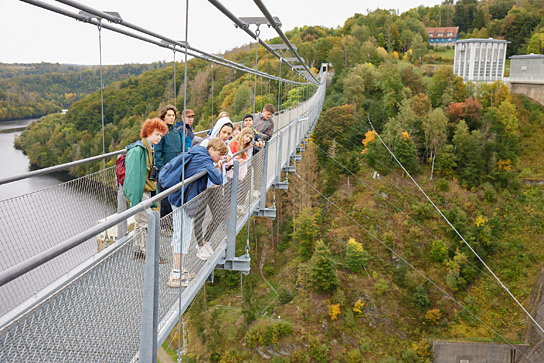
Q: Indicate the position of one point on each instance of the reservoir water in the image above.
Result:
(14, 162)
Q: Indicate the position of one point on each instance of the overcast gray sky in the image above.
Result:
(30, 34)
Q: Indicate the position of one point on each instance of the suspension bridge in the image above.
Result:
(69, 285)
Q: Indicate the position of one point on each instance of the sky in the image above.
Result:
(29, 34)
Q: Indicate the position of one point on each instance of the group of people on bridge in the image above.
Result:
(163, 139)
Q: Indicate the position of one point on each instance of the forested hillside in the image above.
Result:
(34, 90)
(357, 269)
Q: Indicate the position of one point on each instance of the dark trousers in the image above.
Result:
(166, 207)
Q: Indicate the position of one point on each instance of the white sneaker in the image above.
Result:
(209, 248)
(174, 280)
(203, 253)
(184, 283)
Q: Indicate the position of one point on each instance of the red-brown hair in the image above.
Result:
(151, 125)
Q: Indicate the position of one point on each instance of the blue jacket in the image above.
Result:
(190, 135)
(168, 148)
(200, 161)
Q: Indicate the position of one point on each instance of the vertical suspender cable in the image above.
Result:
(279, 83)
(234, 105)
(175, 88)
(102, 117)
(183, 159)
(257, 33)
(212, 92)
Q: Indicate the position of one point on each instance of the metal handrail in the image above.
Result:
(60, 167)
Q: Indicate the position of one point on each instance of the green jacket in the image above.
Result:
(168, 148)
(136, 173)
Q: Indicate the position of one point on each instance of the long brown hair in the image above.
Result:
(240, 138)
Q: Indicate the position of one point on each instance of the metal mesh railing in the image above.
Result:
(97, 315)
(34, 222)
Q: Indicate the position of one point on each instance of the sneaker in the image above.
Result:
(174, 280)
(203, 253)
(208, 248)
(184, 282)
(186, 275)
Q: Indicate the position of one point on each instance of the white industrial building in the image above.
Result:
(480, 60)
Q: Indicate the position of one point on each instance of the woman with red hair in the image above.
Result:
(141, 177)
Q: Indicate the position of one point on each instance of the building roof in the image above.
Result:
(445, 30)
(479, 40)
(527, 56)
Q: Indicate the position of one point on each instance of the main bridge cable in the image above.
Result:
(412, 266)
(457, 232)
(117, 20)
(245, 27)
(172, 46)
(276, 25)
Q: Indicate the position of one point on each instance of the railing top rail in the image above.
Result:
(60, 167)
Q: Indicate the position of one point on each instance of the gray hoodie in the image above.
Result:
(264, 128)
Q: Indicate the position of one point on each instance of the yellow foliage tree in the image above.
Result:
(334, 311)
(358, 308)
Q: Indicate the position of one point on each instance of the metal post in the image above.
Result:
(150, 302)
(279, 161)
(262, 204)
(289, 143)
(231, 226)
(122, 229)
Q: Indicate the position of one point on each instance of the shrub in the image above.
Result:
(356, 257)
(433, 316)
(381, 287)
(442, 185)
(334, 311)
(420, 298)
(439, 251)
(285, 295)
(490, 194)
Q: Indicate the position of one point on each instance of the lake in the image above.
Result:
(14, 162)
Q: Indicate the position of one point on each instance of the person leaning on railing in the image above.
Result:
(141, 175)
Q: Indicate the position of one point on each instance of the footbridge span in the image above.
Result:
(70, 288)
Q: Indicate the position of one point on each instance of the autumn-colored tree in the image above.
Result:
(356, 256)
(405, 152)
(492, 94)
(445, 87)
(323, 270)
(306, 231)
(435, 128)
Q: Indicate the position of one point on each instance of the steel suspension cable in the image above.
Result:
(183, 125)
(394, 206)
(175, 88)
(257, 33)
(197, 53)
(347, 215)
(456, 231)
(212, 89)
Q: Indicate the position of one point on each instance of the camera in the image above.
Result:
(153, 173)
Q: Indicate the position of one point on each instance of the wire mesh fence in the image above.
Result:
(34, 222)
(97, 316)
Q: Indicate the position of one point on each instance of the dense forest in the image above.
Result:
(34, 90)
(356, 268)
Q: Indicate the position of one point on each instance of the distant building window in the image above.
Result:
(449, 34)
(524, 69)
(431, 34)
(440, 34)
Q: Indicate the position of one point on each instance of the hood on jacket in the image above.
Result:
(134, 144)
(219, 124)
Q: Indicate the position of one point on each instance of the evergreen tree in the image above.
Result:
(324, 275)
(356, 256)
